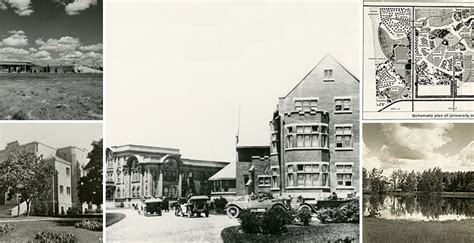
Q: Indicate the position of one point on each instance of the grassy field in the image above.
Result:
(25, 231)
(386, 230)
(312, 233)
(45, 96)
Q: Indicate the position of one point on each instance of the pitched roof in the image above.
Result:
(321, 61)
(227, 173)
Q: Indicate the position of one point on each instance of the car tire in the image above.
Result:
(233, 211)
(304, 207)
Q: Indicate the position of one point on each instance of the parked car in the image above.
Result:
(152, 206)
(233, 208)
(195, 205)
(315, 205)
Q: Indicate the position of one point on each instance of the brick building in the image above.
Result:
(68, 162)
(136, 171)
(314, 144)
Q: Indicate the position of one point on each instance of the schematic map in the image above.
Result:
(418, 62)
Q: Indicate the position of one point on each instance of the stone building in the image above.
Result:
(314, 143)
(136, 171)
(68, 162)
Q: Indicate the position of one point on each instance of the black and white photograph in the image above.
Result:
(241, 125)
(51, 60)
(51, 182)
(418, 182)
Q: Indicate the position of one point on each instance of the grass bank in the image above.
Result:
(388, 230)
(26, 231)
(112, 218)
(312, 233)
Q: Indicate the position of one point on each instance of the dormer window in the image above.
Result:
(328, 75)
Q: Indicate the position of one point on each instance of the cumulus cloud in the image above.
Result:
(416, 147)
(91, 48)
(21, 7)
(64, 44)
(13, 51)
(32, 49)
(42, 54)
(17, 38)
(76, 6)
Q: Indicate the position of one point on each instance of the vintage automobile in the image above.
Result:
(255, 204)
(315, 205)
(195, 205)
(152, 206)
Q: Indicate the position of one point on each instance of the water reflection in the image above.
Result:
(419, 207)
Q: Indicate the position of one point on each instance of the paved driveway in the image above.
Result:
(167, 228)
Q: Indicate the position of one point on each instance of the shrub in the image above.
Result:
(40, 209)
(20, 115)
(249, 221)
(93, 225)
(304, 216)
(5, 228)
(74, 211)
(274, 220)
(219, 204)
(47, 236)
(347, 213)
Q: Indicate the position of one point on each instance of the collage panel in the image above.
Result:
(418, 61)
(51, 182)
(239, 126)
(51, 65)
(418, 182)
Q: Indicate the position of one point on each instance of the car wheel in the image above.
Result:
(233, 211)
(304, 207)
(280, 207)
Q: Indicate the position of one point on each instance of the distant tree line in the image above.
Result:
(431, 180)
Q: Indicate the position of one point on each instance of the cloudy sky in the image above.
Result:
(51, 31)
(188, 67)
(419, 146)
(56, 135)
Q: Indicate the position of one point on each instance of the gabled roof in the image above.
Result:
(227, 173)
(321, 61)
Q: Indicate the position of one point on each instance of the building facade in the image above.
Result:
(314, 140)
(68, 163)
(28, 67)
(137, 171)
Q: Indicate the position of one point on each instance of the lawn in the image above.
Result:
(25, 231)
(387, 230)
(312, 233)
(45, 96)
(112, 218)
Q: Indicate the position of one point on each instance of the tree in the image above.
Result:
(90, 186)
(378, 182)
(26, 177)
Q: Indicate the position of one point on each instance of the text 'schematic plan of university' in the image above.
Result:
(418, 62)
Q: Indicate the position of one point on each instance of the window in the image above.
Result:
(306, 136)
(68, 172)
(264, 180)
(307, 174)
(343, 136)
(342, 104)
(328, 74)
(68, 190)
(275, 178)
(306, 104)
(61, 189)
(344, 174)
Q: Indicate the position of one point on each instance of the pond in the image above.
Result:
(418, 207)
